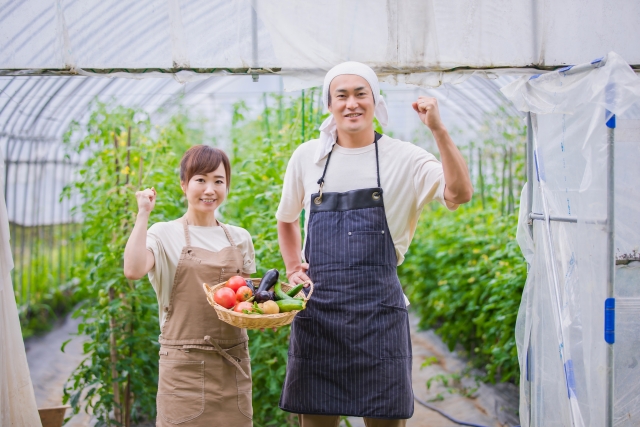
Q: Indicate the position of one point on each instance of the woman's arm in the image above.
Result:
(138, 261)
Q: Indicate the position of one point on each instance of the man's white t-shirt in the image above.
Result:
(166, 240)
(410, 177)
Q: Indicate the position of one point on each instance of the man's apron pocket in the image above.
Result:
(302, 337)
(180, 390)
(393, 324)
(367, 248)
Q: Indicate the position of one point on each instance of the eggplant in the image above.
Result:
(262, 296)
(249, 283)
(270, 278)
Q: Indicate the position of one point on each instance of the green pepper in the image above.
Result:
(291, 305)
(295, 291)
(279, 293)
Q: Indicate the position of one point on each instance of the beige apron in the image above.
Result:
(205, 369)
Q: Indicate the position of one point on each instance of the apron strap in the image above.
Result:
(375, 142)
(187, 236)
(226, 355)
(185, 225)
(226, 231)
(324, 172)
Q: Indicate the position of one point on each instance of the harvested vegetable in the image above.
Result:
(270, 278)
(270, 307)
(295, 290)
(279, 293)
(291, 304)
(262, 296)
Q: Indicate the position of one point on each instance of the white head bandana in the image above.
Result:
(328, 128)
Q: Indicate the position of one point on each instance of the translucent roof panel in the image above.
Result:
(304, 39)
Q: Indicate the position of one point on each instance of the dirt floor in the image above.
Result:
(489, 405)
(50, 367)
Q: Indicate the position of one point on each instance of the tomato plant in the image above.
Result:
(117, 380)
(464, 272)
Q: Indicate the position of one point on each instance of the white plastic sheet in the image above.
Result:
(560, 327)
(420, 38)
(17, 400)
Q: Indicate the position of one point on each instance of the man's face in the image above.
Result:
(352, 103)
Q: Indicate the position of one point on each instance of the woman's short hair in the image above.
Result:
(201, 160)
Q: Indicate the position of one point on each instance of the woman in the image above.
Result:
(205, 374)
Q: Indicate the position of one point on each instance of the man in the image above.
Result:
(350, 350)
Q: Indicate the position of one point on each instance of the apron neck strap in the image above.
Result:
(375, 142)
(185, 225)
(226, 231)
(187, 236)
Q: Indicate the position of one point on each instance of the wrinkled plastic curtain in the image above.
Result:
(420, 39)
(17, 400)
(560, 326)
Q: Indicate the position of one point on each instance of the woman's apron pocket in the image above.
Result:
(245, 404)
(180, 390)
(395, 339)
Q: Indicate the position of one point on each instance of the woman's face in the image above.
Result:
(205, 193)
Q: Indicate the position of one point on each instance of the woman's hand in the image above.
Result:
(137, 260)
(299, 275)
(146, 199)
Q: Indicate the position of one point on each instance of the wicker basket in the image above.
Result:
(253, 321)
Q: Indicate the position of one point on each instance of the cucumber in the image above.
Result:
(290, 305)
(279, 293)
(294, 291)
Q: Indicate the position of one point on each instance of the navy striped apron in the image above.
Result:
(350, 350)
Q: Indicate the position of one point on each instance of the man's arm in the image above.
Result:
(290, 247)
(458, 188)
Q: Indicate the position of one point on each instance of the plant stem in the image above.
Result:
(114, 361)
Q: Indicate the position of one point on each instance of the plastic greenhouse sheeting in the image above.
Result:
(303, 39)
(560, 331)
(17, 399)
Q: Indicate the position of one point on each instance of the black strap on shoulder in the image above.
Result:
(321, 180)
(375, 142)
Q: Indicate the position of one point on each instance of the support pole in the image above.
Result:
(611, 124)
(529, 166)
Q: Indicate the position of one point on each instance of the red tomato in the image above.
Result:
(225, 297)
(243, 306)
(244, 293)
(235, 283)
